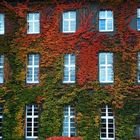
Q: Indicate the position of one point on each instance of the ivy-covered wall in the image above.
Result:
(87, 95)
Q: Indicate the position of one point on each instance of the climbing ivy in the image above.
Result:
(87, 95)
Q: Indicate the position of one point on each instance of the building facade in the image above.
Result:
(70, 68)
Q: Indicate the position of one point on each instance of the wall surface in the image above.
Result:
(87, 95)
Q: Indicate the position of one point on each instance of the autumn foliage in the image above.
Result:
(87, 94)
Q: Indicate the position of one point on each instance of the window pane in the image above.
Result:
(66, 59)
(72, 26)
(29, 74)
(36, 27)
(36, 59)
(138, 12)
(1, 60)
(101, 24)
(66, 74)
(103, 135)
(1, 75)
(73, 15)
(110, 74)
(102, 14)
(65, 15)
(102, 74)
(30, 27)
(29, 134)
(110, 58)
(72, 59)
(65, 26)
(1, 17)
(66, 109)
(36, 72)
(30, 16)
(30, 60)
(138, 23)
(1, 23)
(109, 14)
(138, 76)
(36, 16)
(111, 136)
(109, 24)
(72, 76)
(102, 58)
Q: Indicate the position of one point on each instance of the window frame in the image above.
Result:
(106, 19)
(33, 23)
(2, 67)
(106, 66)
(69, 116)
(107, 117)
(33, 66)
(69, 21)
(69, 66)
(32, 117)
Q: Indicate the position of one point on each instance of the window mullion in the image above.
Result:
(107, 121)
(106, 68)
(69, 67)
(69, 121)
(32, 120)
(26, 120)
(33, 69)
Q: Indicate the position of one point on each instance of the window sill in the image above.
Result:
(106, 31)
(32, 82)
(68, 82)
(68, 32)
(106, 83)
(32, 33)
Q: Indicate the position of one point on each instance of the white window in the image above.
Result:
(106, 21)
(33, 20)
(69, 22)
(31, 122)
(1, 23)
(69, 128)
(107, 124)
(139, 67)
(106, 74)
(1, 119)
(1, 68)
(69, 68)
(33, 68)
(138, 19)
